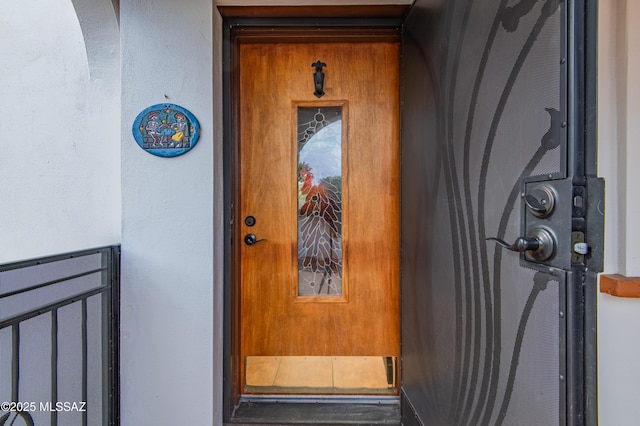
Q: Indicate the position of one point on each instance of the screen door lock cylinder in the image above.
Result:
(540, 200)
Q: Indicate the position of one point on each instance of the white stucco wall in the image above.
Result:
(167, 324)
(619, 152)
(59, 131)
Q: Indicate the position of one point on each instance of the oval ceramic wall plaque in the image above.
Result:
(166, 130)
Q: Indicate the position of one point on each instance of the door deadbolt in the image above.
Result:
(540, 200)
(539, 243)
(249, 220)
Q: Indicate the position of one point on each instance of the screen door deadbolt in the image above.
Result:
(540, 200)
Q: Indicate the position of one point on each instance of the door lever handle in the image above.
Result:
(520, 245)
(251, 239)
(539, 242)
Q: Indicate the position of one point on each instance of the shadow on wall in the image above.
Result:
(99, 21)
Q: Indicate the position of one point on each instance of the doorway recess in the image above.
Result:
(301, 24)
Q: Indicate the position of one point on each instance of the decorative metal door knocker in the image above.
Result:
(318, 78)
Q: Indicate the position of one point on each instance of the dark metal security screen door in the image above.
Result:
(493, 330)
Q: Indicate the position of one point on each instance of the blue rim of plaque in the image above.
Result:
(166, 130)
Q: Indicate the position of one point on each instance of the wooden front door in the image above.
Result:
(316, 207)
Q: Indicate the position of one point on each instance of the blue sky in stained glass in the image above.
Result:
(323, 152)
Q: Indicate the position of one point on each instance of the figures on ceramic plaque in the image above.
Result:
(151, 128)
(166, 129)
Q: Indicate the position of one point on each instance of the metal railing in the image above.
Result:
(59, 339)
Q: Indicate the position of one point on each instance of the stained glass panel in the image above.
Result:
(320, 201)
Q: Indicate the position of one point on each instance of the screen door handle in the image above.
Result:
(540, 243)
(520, 245)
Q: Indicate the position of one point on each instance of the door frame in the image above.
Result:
(360, 22)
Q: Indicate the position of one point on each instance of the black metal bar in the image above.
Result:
(591, 349)
(48, 283)
(84, 358)
(54, 365)
(562, 344)
(112, 301)
(575, 348)
(14, 320)
(581, 334)
(576, 29)
(106, 342)
(591, 169)
(591, 87)
(51, 259)
(15, 363)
